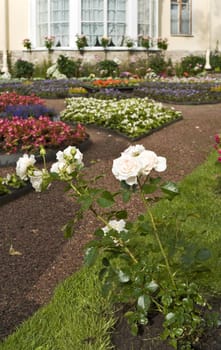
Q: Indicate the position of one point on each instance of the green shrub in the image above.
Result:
(23, 69)
(107, 68)
(192, 65)
(68, 67)
(157, 63)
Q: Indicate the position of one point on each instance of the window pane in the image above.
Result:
(92, 19)
(180, 17)
(143, 17)
(55, 22)
(41, 21)
(185, 22)
(174, 18)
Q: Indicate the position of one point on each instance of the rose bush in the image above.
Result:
(140, 268)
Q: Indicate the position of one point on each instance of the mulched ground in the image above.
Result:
(32, 224)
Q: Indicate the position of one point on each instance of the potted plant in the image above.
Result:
(105, 41)
(81, 41)
(162, 43)
(129, 42)
(27, 44)
(49, 42)
(145, 41)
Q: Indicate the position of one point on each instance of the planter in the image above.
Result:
(15, 193)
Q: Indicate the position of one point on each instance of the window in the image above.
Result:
(52, 19)
(148, 18)
(181, 17)
(103, 17)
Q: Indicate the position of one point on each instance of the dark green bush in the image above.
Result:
(157, 63)
(107, 68)
(23, 69)
(68, 66)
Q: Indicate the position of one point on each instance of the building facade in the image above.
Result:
(190, 26)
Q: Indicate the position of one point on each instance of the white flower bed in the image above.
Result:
(133, 117)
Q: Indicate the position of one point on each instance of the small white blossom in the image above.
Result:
(23, 164)
(117, 225)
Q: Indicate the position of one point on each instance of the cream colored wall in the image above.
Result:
(18, 23)
(203, 36)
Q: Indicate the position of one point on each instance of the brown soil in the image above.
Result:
(32, 223)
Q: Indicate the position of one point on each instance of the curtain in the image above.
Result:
(53, 19)
(103, 17)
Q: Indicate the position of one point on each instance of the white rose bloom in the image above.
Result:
(23, 164)
(36, 180)
(117, 225)
(71, 152)
(126, 168)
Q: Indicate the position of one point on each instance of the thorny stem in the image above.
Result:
(156, 235)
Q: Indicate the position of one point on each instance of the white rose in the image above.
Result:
(126, 168)
(23, 164)
(36, 180)
(117, 225)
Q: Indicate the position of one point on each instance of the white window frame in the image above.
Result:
(75, 23)
(179, 5)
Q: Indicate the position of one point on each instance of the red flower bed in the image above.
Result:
(29, 134)
(12, 98)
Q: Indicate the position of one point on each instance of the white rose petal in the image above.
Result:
(126, 168)
(23, 164)
(148, 160)
(36, 180)
(161, 164)
(58, 166)
(134, 151)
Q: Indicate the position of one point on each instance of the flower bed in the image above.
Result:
(194, 91)
(132, 117)
(28, 135)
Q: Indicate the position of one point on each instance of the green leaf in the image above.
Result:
(144, 302)
(149, 188)
(91, 255)
(126, 195)
(121, 214)
(106, 200)
(203, 254)
(170, 189)
(85, 201)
